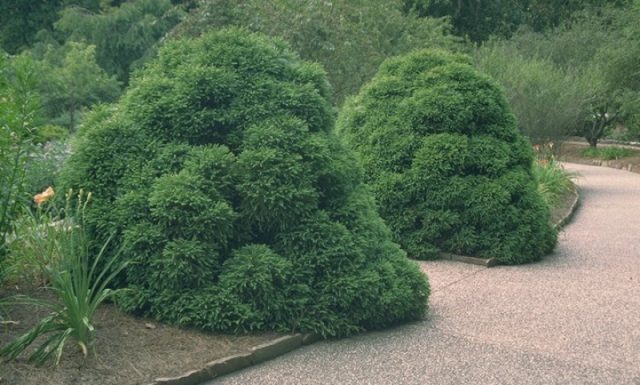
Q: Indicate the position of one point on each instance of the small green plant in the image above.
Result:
(553, 180)
(78, 280)
(608, 153)
(49, 133)
(19, 107)
(30, 247)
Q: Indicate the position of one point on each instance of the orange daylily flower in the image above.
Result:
(44, 196)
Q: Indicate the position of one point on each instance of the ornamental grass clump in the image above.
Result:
(448, 167)
(234, 203)
(554, 182)
(78, 280)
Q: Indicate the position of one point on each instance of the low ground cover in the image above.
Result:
(609, 152)
(574, 152)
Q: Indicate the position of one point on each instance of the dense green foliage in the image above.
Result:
(448, 167)
(124, 36)
(350, 38)
(19, 105)
(477, 20)
(236, 205)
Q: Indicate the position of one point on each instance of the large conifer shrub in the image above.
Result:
(237, 206)
(448, 167)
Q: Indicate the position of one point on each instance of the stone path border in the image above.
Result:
(253, 356)
(287, 343)
(568, 215)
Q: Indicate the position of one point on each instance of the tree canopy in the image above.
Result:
(477, 20)
(350, 38)
(124, 36)
(598, 80)
(72, 80)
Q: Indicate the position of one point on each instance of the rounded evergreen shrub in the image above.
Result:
(223, 183)
(448, 167)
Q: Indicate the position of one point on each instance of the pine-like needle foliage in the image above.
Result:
(234, 202)
(448, 166)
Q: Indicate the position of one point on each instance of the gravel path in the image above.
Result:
(574, 318)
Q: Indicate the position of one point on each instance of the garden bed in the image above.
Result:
(574, 152)
(130, 350)
(135, 351)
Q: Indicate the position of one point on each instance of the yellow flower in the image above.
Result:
(44, 196)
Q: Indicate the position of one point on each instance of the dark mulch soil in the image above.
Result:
(130, 350)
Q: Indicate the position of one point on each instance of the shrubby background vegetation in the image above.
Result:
(578, 78)
(535, 48)
(350, 38)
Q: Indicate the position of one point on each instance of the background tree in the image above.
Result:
(350, 38)
(542, 15)
(477, 20)
(548, 102)
(73, 82)
(21, 20)
(124, 36)
(598, 80)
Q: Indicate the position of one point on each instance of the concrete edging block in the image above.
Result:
(572, 209)
(192, 377)
(275, 348)
(225, 365)
(488, 262)
(310, 338)
(228, 364)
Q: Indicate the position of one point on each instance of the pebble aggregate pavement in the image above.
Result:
(573, 318)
